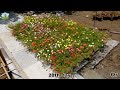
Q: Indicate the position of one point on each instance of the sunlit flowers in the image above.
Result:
(62, 43)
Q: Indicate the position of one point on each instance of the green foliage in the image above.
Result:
(63, 44)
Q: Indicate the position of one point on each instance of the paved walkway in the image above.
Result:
(31, 66)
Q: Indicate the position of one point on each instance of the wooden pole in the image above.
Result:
(95, 20)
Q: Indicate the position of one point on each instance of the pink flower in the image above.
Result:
(77, 49)
(41, 28)
(24, 26)
(84, 44)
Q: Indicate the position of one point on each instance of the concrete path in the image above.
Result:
(30, 65)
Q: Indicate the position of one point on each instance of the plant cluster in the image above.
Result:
(61, 43)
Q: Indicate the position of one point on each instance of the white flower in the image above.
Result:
(92, 42)
(55, 46)
(34, 15)
(35, 37)
(58, 45)
(78, 43)
(86, 37)
(91, 45)
(5, 15)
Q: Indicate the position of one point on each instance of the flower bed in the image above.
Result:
(61, 43)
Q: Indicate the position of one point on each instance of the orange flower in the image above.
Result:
(81, 47)
(33, 44)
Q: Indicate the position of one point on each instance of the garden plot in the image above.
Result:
(63, 44)
(38, 64)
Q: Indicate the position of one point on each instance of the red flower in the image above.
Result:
(53, 58)
(33, 44)
(60, 51)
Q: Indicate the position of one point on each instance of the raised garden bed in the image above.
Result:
(62, 44)
(106, 16)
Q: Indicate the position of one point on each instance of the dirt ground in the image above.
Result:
(109, 67)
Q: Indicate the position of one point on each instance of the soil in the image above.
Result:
(109, 67)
